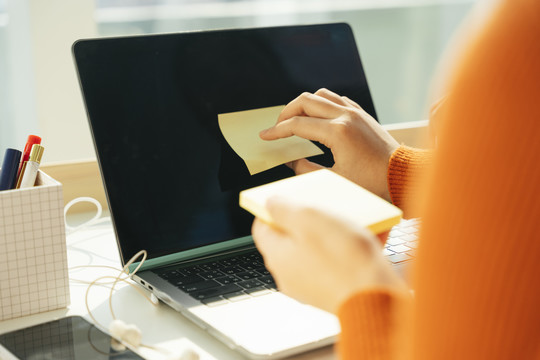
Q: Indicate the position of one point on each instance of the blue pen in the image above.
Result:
(10, 165)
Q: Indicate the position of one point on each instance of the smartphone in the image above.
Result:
(71, 337)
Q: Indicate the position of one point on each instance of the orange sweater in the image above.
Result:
(477, 293)
(405, 173)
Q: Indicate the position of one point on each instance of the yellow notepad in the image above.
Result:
(241, 130)
(327, 191)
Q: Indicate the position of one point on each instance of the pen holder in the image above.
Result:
(33, 257)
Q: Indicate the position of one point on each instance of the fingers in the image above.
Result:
(311, 105)
(307, 116)
(298, 221)
(264, 235)
(310, 128)
(268, 239)
(351, 102)
(284, 213)
(340, 100)
(323, 103)
(332, 96)
(303, 166)
(305, 222)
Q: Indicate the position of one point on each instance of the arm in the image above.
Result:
(475, 278)
(473, 294)
(370, 322)
(484, 192)
(363, 151)
(360, 146)
(336, 266)
(319, 259)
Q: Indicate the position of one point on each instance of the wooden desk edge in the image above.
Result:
(78, 178)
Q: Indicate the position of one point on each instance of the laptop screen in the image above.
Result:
(171, 179)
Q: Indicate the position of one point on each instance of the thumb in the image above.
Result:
(298, 220)
(303, 166)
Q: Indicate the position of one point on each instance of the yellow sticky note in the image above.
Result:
(329, 192)
(241, 130)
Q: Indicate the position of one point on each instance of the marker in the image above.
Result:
(8, 175)
(32, 166)
(32, 139)
(21, 174)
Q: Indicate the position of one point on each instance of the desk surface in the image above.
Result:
(161, 326)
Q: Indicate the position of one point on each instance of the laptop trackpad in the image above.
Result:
(269, 324)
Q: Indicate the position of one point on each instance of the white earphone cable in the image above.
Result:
(97, 219)
(128, 333)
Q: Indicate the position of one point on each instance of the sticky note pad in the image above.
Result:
(241, 130)
(327, 191)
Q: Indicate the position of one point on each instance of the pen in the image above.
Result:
(8, 175)
(22, 168)
(32, 139)
(32, 166)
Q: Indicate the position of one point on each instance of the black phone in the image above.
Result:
(72, 337)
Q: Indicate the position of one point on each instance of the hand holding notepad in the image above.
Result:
(329, 192)
(322, 257)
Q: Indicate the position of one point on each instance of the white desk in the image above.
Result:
(161, 326)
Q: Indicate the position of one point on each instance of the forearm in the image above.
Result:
(405, 177)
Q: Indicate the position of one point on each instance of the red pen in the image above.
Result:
(32, 139)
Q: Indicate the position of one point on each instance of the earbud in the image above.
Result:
(130, 334)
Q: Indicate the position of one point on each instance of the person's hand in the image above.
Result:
(360, 146)
(318, 259)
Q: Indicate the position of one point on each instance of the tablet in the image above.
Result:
(69, 338)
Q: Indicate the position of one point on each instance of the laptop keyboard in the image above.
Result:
(402, 241)
(239, 276)
(223, 279)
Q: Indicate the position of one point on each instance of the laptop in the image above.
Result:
(172, 180)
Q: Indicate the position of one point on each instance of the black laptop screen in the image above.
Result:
(171, 179)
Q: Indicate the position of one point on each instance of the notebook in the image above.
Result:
(173, 181)
(341, 197)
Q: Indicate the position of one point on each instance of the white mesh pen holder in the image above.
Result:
(33, 257)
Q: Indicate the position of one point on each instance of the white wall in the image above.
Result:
(42, 96)
(56, 24)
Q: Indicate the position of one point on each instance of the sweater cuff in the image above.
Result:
(406, 170)
(367, 325)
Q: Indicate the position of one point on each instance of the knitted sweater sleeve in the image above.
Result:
(369, 325)
(406, 170)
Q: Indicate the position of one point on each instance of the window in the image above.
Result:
(17, 105)
(400, 42)
(5, 126)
